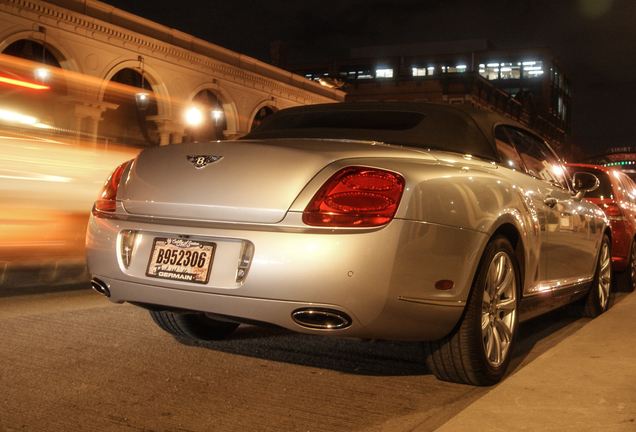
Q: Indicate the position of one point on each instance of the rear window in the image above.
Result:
(373, 120)
(432, 127)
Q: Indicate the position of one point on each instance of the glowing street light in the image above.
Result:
(217, 115)
(142, 98)
(42, 74)
(194, 116)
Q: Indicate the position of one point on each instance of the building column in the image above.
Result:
(170, 131)
(79, 108)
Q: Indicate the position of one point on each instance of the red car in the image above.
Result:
(616, 195)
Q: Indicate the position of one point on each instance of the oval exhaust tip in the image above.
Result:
(100, 286)
(321, 319)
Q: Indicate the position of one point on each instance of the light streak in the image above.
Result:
(23, 84)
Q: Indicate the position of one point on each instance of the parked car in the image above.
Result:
(616, 196)
(399, 221)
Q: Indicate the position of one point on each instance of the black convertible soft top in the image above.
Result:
(453, 128)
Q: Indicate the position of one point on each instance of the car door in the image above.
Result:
(536, 243)
(572, 226)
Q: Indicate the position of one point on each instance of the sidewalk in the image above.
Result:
(585, 383)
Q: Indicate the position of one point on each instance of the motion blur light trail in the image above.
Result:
(47, 189)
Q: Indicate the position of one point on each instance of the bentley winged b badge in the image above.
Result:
(201, 161)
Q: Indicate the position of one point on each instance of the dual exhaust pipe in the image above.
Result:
(321, 319)
(100, 286)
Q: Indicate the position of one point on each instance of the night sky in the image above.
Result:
(595, 39)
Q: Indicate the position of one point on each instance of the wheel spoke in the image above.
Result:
(491, 283)
(507, 282)
(606, 258)
(497, 347)
(605, 276)
(602, 296)
(502, 271)
(507, 305)
(503, 330)
(487, 337)
(486, 301)
(485, 329)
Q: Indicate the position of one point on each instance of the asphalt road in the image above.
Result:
(72, 361)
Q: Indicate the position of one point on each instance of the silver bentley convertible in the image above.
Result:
(399, 221)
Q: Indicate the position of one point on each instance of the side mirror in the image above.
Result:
(583, 182)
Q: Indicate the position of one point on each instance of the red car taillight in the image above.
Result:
(106, 199)
(356, 197)
(613, 212)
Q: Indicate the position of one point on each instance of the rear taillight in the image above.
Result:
(106, 200)
(613, 212)
(356, 197)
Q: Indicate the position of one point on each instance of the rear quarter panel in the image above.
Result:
(466, 201)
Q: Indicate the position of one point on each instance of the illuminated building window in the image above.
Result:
(316, 75)
(384, 73)
(454, 69)
(423, 71)
(510, 70)
(532, 69)
(357, 73)
(490, 71)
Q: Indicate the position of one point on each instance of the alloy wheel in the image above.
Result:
(499, 306)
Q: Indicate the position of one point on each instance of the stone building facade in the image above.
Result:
(99, 58)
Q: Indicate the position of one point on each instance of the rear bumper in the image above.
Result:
(383, 279)
(402, 321)
(622, 237)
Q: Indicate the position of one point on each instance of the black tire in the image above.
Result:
(479, 349)
(195, 326)
(630, 280)
(597, 300)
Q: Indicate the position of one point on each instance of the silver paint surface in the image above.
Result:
(384, 278)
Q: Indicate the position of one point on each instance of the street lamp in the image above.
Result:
(42, 73)
(217, 114)
(142, 98)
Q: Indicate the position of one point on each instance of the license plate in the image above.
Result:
(181, 259)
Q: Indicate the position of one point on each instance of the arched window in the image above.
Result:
(260, 115)
(40, 104)
(210, 118)
(128, 124)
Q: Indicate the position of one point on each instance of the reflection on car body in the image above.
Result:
(405, 221)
